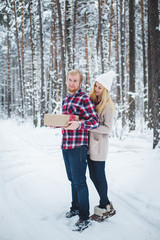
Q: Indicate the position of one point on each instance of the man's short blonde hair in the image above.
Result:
(73, 72)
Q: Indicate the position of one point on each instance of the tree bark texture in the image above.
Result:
(62, 50)
(19, 61)
(8, 71)
(34, 96)
(132, 64)
(144, 63)
(42, 111)
(154, 66)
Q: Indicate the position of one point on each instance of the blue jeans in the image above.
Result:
(76, 163)
(98, 177)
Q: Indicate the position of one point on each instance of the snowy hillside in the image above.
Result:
(35, 192)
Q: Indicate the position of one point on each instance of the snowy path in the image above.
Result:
(34, 191)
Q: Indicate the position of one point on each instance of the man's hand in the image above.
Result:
(73, 125)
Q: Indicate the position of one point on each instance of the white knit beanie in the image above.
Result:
(106, 79)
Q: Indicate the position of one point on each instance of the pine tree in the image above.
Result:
(154, 69)
(8, 69)
(34, 96)
(63, 75)
(21, 87)
(42, 109)
(132, 64)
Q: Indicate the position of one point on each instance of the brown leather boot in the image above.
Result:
(110, 211)
(98, 214)
(101, 214)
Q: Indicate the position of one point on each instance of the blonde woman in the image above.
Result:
(98, 144)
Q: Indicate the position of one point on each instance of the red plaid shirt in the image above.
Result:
(79, 104)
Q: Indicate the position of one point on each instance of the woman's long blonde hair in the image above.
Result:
(101, 107)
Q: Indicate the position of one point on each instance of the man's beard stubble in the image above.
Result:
(73, 90)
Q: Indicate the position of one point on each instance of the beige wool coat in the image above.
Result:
(99, 137)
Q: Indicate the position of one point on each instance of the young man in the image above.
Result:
(74, 145)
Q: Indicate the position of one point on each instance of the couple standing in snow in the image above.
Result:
(78, 147)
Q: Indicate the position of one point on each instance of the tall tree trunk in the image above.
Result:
(91, 39)
(50, 66)
(42, 111)
(99, 27)
(14, 81)
(32, 11)
(74, 31)
(2, 86)
(8, 71)
(19, 62)
(99, 35)
(22, 51)
(122, 39)
(30, 6)
(101, 42)
(62, 50)
(52, 90)
(110, 33)
(154, 69)
(144, 62)
(55, 94)
(132, 64)
(68, 46)
(86, 49)
(118, 96)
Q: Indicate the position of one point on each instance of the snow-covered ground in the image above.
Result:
(35, 192)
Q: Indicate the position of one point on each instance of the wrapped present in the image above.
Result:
(59, 120)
